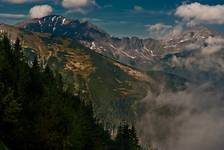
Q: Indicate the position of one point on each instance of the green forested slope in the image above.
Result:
(113, 88)
(36, 113)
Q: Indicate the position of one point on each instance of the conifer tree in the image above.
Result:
(18, 49)
(126, 138)
(6, 46)
(35, 65)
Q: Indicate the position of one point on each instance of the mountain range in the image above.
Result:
(114, 85)
(136, 52)
(116, 74)
(119, 68)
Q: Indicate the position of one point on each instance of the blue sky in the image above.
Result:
(118, 17)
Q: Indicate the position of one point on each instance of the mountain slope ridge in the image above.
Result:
(126, 50)
(133, 51)
(105, 81)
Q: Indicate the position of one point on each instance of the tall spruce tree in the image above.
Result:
(126, 138)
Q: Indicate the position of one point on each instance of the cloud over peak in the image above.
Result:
(198, 13)
(158, 26)
(40, 11)
(75, 4)
(158, 30)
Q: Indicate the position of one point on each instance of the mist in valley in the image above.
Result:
(190, 118)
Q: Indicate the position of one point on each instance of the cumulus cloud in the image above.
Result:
(215, 40)
(177, 30)
(138, 8)
(15, 1)
(158, 26)
(207, 57)
(40, 11)
(197, 13)
(12, 16)
(75, 4)
(77, 10)
(214, 44)
(19, 1)
(158, 30)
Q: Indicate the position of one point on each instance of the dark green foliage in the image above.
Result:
(126, 138)
(18, 49)
(2, 146)
(37, 114)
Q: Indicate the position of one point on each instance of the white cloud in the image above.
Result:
(40, 11)
(12, 16)
(138, 8)
(158, 26)
(177, 30)
(198, 13)
(19, 1)
(215, 44)
(196, 116)
(215, 41)
(158, 30)
(77, 10)
(75, 4)
(15, 1)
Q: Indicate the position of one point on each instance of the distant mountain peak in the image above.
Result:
(190, 37)
(62, 26)
(53, 18)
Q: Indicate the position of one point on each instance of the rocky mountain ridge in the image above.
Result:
(139, 53)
